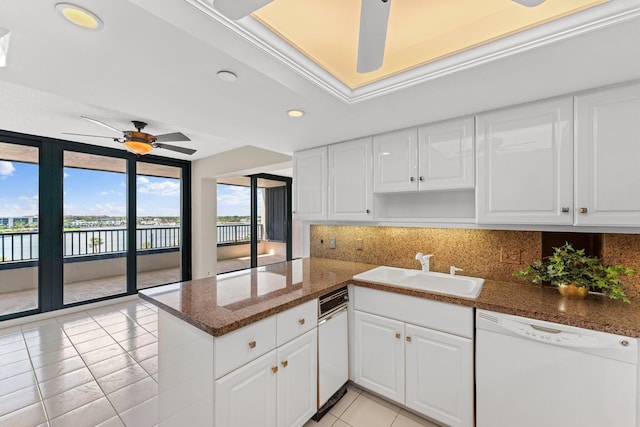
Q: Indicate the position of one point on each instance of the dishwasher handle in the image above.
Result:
(331, 315)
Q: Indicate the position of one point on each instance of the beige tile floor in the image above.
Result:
(99, 367)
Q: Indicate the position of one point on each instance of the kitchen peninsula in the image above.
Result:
(212, 329)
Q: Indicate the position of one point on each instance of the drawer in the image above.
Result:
(242, 346)
(450, 318)
(296, 321)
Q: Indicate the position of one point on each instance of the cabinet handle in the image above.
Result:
(408, 339)
(252, 344)
(301, 321)
(368, 211)
(565, 210)
(398, 335)
(412, 179)
(422, 178)
(274, 369)
(285, 363)
(293, 212)
(582, 210)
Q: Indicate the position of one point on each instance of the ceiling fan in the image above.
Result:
(139, 142)
(372, 37)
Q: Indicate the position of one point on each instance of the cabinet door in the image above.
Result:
(608, 157)
(310, 184)
(350, 180)
(379, 355)
(247, 396)
(525, 158)
(395, 159)
(446, 155)
(439, 375)
(297, 381)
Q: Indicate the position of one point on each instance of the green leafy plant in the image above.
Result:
(570, 266)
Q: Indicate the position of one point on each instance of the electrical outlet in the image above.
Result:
(332, 242)
(510, 256)
(358, 244)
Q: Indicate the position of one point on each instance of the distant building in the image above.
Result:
(31, 221)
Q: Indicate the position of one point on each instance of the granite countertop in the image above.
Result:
(219, 305)
(231, 301)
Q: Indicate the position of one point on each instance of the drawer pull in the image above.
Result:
(274, 369)
(301, 321)
(285, 363)
(398, 335)
(422, 178)
(565, 210)
(412, 179)
(583, 210)
(252, 344)
(408, 339)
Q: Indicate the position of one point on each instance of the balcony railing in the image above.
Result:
(16, 247)
(24, 246)
(236, 233)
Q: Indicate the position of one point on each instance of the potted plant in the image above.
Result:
(575, 274)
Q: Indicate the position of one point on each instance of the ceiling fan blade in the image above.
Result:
(93, 136)
(236, 9)
(176, 136)
(176, 148)
(98, 122)
(374, 18)
(529, 3)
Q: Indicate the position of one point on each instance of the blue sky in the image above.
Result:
(235, 200)
(86, 192)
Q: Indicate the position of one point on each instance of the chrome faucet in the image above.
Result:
(452, 270)
(424, 261)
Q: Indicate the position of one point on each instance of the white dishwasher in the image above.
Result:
(531, 373)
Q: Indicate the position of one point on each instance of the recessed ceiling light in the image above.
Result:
(79, 16)
(295, 113)
(227, 76)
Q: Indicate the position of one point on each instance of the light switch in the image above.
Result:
(332, 242)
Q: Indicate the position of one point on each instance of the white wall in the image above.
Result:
(204, 172)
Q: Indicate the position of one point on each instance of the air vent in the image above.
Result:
(487, 316)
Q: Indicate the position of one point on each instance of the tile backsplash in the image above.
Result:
(477, 252)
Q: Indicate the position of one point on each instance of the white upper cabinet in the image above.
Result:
(395, 161)
(608, 157)
(446, 155)
(310, 184)
(437, 156)
(525, 164)
(350, 180)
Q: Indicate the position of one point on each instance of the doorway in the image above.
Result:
(253, 221)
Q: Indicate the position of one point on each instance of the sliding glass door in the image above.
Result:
(95, 226)
(19, 231)
(253, 221)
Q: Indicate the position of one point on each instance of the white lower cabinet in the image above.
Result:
(255, 383)
(416, 352)
(379, 355)
(278, 389)
(297, 381)
(439, 375)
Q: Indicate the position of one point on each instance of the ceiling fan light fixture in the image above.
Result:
(137, 147)
(79, 16)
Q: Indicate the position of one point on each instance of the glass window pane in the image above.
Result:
(272, 221)
(158, 224)
(95, 226)
(19, 208)
(233, 224)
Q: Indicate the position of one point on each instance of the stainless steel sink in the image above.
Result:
(462, 286)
